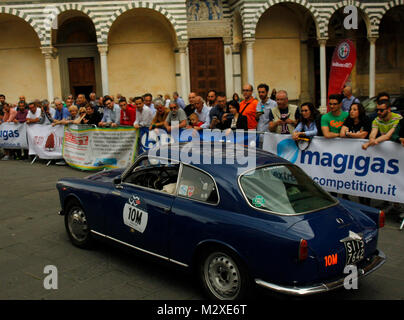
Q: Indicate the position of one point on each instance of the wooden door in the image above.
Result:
(206, 62)
(81, 75)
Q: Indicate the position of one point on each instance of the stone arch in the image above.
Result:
(144, 5)
(377, 19)
(341, 4)
(40, 32)
(59, 9)
(303, 3)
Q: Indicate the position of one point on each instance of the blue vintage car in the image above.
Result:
(235, 225)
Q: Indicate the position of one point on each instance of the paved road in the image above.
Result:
(32, 236)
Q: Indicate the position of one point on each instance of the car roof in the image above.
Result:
(214, 157)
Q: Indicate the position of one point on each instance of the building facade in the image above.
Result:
(52, 48)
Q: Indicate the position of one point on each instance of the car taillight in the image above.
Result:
(303, 250)
(382, 218)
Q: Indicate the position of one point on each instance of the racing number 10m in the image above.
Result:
(135, 215)
(331, 259)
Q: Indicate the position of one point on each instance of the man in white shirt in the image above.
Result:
(263, 107)
(202, 111)
(34, 113)
(148, 98)
(144, 115)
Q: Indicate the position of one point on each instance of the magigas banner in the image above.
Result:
(92, 148)
(342, 166)
(45, 141)
(156, 137)
(13, 135)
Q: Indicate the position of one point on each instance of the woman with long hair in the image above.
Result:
(358, 124)
(307, 126)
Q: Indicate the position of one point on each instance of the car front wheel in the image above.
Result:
(77, 225)
(223, 276)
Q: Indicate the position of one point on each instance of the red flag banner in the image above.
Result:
(343, 61)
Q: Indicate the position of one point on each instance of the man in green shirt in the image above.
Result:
(383, 125)
(331, 122)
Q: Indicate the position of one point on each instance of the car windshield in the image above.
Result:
(283, 189)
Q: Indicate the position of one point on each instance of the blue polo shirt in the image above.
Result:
(61, 115)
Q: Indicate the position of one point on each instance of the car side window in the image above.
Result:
(197, 185)
(154, 175)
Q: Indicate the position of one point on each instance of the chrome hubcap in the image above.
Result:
(222, 276)
(78, 224)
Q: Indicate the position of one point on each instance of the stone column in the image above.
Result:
(236, 68)
(372, 66)
(228, 67)
(48, 52)
(182, 80)
(304, 70)
(103, 50)
(323, 76)
(250, 60)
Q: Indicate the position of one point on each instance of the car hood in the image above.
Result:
(105, 176)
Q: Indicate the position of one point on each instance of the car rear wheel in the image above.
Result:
(77, 225)
(223, 276)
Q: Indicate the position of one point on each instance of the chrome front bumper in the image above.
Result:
(376, 262)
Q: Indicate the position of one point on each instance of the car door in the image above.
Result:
(196, 214)
(139, 214)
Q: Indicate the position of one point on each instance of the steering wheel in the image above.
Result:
(161, 181)
(149, 179)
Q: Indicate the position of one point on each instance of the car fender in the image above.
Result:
(210, 243)
(69, 197)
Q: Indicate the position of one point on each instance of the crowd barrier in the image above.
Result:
(337, 165)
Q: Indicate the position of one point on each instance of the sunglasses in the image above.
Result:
(333, 104)
(380, 110)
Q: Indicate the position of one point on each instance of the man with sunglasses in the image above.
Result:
(384, 125)
(176, 118)
(331, 122)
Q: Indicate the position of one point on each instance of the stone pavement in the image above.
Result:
(32, 236)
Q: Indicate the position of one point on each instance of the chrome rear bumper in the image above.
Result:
(375, 263)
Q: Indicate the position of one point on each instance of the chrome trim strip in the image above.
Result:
(140, 249)
(377, 262)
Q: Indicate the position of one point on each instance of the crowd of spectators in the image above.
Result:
(270, 112)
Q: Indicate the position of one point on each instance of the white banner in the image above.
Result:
(13, 135)
(90, 148)
(342, 166)
(45, 141)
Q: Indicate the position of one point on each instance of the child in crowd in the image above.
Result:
(194, 122)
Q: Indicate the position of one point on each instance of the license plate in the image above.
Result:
(355, 251)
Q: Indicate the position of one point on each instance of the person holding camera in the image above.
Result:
(234, 120)
(283, 118)
(217, 112)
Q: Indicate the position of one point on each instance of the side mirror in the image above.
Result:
(117, 180)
